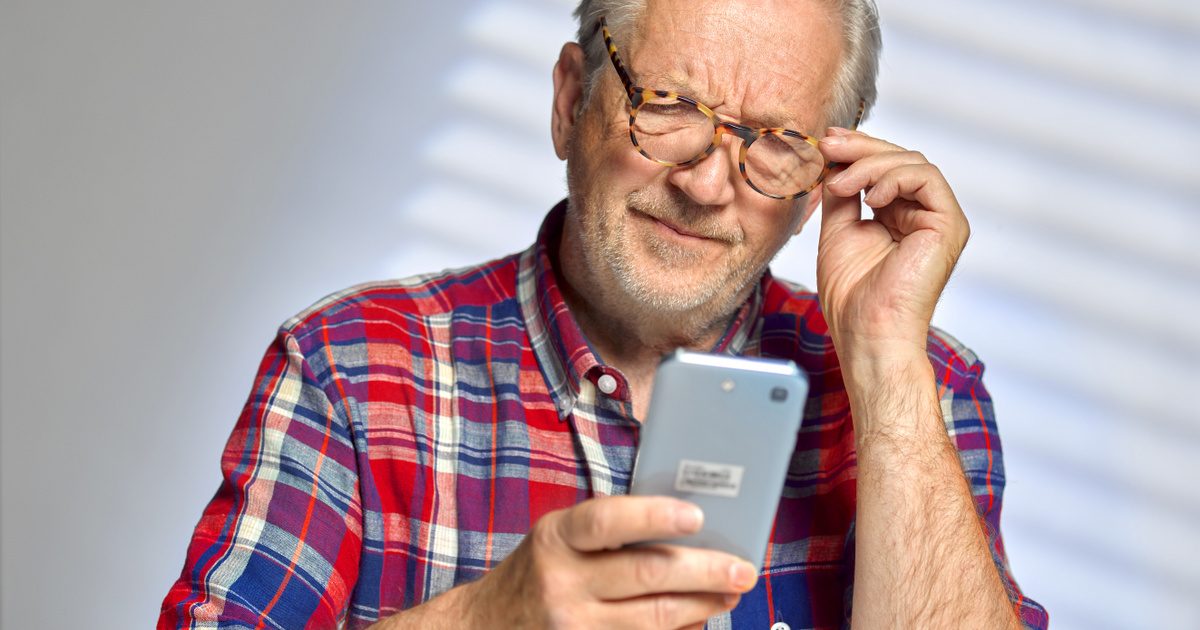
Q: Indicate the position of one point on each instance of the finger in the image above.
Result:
(922, 183)
(903, 217)
(612, 522)
(907, 218)
(668, 569)
(838, 211)
(867, 170)
(672, 610)
(845, 146)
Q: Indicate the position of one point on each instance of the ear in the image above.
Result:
(568, 96)
(811, 201)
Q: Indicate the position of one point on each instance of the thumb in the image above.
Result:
(837, 212)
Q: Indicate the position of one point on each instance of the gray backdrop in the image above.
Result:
(176, 179)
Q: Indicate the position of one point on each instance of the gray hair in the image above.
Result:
(855, 79)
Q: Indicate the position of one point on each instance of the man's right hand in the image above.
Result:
(574, 570)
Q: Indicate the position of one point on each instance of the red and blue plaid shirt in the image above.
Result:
(402, 437)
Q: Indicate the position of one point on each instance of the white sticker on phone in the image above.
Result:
(719, 480)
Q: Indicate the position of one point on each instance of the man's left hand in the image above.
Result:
(879, 279)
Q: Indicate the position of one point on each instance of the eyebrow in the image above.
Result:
(767, 119)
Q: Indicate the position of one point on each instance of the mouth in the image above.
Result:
(674, 229)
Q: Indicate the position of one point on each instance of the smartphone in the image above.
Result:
(720, 433)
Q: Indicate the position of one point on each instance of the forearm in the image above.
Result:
(444, 612)
(921, 556)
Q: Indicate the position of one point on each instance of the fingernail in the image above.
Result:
(837, 131)
(742, 576)
(836, 178)
(689, 518)
(833, 140)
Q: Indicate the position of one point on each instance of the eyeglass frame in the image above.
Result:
(638, 96)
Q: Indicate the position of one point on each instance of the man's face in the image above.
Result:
(688, 240)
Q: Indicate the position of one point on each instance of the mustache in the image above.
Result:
(677, 210)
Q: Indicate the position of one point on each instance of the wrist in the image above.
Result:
(877, 339)
(871, 360)
(893, 395)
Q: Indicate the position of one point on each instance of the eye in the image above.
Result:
(673, 108)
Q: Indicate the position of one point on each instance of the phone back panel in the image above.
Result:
(720, 433)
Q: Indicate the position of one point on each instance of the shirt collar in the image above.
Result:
(563, 352)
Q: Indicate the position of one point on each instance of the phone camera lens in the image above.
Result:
(779, 394)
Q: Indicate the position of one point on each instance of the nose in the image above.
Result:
(712, 181)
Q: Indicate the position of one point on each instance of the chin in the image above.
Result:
(667, 291)
(657, 278)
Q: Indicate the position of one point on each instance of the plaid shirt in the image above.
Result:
(402, 438)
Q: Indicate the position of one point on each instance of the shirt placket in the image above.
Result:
(605, 432)
(587, 432)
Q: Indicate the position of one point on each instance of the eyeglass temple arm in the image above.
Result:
(602, 26)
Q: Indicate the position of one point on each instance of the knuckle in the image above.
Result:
(597, 524)
(562, 619)
(551, 572)
(541, 576)
(546, 531)
(718, 571)
(663, 611)
(650, 570)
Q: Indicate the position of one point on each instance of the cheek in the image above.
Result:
(769, 224)
(611, 164)
(631, 172)
(622, 167)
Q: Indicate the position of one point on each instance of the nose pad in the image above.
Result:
(736, 156)
(737, 153)
(745, 135)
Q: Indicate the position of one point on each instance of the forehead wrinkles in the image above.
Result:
(747, 62)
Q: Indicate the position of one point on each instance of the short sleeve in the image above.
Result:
(967, 411)
(278, 545)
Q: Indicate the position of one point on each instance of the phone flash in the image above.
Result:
(727, 384)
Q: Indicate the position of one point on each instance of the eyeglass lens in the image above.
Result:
(673, 131)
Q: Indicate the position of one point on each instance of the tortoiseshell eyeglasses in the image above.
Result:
(674, 130)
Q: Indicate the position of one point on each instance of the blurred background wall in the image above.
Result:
(176, 179)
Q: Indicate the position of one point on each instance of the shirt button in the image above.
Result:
(779, 625)
(607, 383)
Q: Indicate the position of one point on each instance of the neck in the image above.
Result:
(625, 333)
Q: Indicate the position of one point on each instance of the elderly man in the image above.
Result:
(453, 450)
